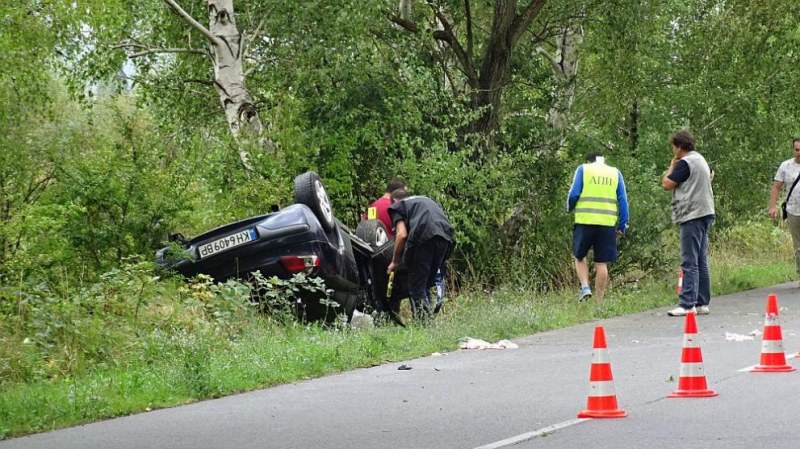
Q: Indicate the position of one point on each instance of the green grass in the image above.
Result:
(191, 360)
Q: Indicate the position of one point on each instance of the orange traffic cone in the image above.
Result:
(773, 359)
(602, 402)
(692, 382)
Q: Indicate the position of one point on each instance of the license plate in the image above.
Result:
(226, 243)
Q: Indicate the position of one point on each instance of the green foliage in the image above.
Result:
(281, 298)
(67, 326)
(63, 329)
(219, 304)
(97, 199)
(344, 91)
(755, 238)
(118, 201)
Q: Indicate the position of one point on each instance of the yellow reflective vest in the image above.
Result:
(598, 201)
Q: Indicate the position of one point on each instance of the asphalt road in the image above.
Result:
(526, 397)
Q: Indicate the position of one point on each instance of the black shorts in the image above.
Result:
(602, 238)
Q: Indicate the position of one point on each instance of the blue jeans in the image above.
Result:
(696, 290)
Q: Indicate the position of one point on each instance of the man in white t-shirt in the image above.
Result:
(785, 177)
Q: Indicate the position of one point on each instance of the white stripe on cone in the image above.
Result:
(602, 388)
(692, 370)
(772, 346)
(690, 342)
(600, 355)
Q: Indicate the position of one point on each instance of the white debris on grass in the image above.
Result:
(361, 321)
(474, 343)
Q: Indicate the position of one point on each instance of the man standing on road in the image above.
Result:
(786, 176)
(423, 237)
(600, 203)
(379, 209)
(689, 179)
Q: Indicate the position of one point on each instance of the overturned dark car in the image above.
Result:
(304, 237)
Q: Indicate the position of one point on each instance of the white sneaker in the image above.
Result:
(703, 310)
(680, 311)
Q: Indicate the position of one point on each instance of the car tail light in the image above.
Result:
(294, 264)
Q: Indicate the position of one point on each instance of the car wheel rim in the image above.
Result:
(381, 237)
(324, 202)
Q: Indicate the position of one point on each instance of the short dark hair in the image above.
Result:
(684, 140)
(592, 157)
(394, 184)
(796, 139)
(399, 194)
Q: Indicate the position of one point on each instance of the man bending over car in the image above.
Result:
(423, 236)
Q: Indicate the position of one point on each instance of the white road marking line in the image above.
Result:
(531, 435)
(750, 368)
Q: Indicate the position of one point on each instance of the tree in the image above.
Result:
(161, 45)
(227, 48)
(488, 75)
(25, 106)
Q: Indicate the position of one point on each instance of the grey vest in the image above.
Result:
(693, 198)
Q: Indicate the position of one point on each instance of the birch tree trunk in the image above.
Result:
(226, 51)
(441, 47)
(404, 9)
(565, 71)
(229, 77)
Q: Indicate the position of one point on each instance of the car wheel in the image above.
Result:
(373, 232)
(308, 190)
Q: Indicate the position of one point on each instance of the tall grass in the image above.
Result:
(135, 343)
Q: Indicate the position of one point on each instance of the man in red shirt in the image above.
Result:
(381, 206)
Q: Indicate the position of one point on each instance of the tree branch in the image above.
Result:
(257, 32)
(553, 63)
(144, 50)
(126, 45)
(461, 56)
(199, 81)
(194, 23)
(545, 33)
(522, 21)
(149, 51)
(712, 122)
(246, 39)
(470, 38)
(447, 35)
(403, 23)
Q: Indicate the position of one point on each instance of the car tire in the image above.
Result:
(373, 232)
(309, 190)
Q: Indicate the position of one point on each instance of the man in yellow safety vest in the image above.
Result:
(600, 203)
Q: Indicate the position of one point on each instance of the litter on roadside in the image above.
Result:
(474, 343)
(737, 337)
(361, 321)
